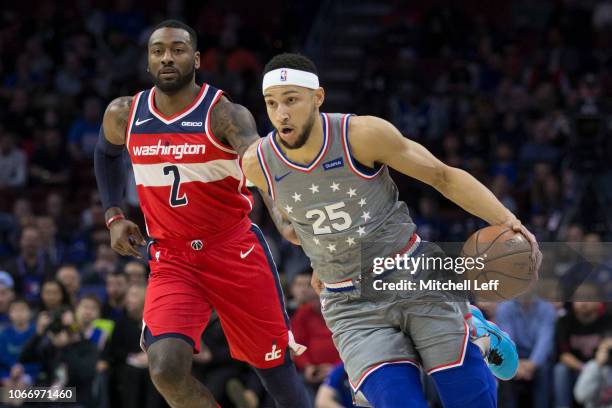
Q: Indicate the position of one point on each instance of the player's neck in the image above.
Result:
(307, 153)
(170, 104)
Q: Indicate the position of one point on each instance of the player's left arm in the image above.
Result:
(374, 140)
(235, 125)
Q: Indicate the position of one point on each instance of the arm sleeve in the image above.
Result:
(546, 332)
(110, 172)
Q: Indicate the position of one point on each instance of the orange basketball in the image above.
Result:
(506, 258)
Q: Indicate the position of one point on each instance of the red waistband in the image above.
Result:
(207, 242)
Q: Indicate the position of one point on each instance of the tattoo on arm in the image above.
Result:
(234, 124)
(124, 103)
(116, 119)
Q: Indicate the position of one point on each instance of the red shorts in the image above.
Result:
(236, 276)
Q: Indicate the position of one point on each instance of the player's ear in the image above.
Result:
(319, 95)
(197, 60)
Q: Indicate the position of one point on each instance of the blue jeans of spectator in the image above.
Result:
(564, 380)
(535, 393)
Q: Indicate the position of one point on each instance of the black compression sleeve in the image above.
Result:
(110, 172)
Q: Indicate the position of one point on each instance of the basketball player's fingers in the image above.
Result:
(131, 251)
(138, 235)
(121, 250)
(532, 240)
(538, 263)
(117, 247)
(125, 247)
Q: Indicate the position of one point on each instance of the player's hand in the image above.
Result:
(316, 283)
(125, 235)
(288, 232)
(536, 256)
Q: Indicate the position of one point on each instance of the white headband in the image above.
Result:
(288, 76)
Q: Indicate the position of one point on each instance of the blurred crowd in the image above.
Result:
(518, 95)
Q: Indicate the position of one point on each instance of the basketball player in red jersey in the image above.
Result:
(185, 142)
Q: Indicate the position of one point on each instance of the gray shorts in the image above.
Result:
(429, 330)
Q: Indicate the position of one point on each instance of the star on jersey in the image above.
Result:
(350, 241)
(314, 188)
(297, 197)
(361, 231)
(335, 186)
(331, 247)
(366, 216)
(362, 202)
(316, 241)
(352, 192)
(289, 209)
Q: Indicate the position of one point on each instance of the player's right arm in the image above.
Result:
(253, 172)
(376, 141)
(110, 176)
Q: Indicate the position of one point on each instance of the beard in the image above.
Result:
(303, 137)
(171, 87)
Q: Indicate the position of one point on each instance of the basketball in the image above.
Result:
(506, 258)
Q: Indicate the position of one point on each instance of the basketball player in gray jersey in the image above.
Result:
(327, 175)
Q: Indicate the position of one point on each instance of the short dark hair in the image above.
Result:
(18, 300)
(193, 36)
(93, 298)
(293, 61)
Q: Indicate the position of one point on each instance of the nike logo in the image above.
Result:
(140, 122)
(277, 178)
(245, 254)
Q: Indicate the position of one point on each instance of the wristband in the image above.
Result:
(113, 219)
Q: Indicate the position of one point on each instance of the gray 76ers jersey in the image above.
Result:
(338, 207)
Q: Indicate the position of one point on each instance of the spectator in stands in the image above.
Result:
(431, 226)
(67, 358)
(136, 273)
(577, 334)
(83, 133)
(65, 225)
(12, 340)
(335, 392)
(50, 163)
(594, 385)
(530, 321)
(301, 291)
(124, 354)
(13, 170)
(53, 296)
(51, 245)
(68, 275)
(31, 267)
(116, 289)
(6, 296)
(87, 312)
(309, 329)
(106, 262)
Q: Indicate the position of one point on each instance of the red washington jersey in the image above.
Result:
(190, 185)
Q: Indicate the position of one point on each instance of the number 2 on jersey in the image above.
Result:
(175, 200)
(332, 214)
